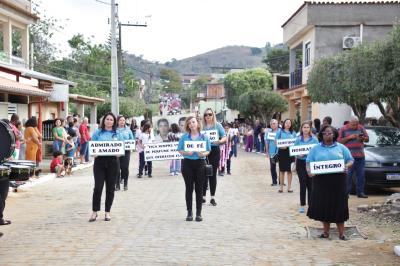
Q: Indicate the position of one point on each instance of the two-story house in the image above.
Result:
(320, 29)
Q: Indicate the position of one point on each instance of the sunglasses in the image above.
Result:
(208, 114)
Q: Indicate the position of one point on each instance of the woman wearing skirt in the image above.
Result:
(329, 199)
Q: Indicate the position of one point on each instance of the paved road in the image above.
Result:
(252, 225)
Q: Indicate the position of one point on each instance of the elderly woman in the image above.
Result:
(329, 198)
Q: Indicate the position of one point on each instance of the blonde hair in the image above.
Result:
(214, 118)
(187, 129)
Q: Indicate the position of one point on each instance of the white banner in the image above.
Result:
(271, 135)
(161, 151)
(327, 167)
(280, 143)
(195, 146)
(106, 148)
(130, 145)
(300, 149)
(211, 134)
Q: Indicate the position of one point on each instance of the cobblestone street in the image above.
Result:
(251, 225)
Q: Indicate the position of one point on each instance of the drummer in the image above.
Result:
(4, 186)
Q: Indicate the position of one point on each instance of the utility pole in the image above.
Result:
(114, 64)
(120, 59)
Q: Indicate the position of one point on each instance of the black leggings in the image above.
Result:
(105, 169)
(193, 172)
(213, 159)
(124, 168)
(305, 182)
(4, 185)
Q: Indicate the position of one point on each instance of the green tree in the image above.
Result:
(277, 60)
(261, 103)
(241, 82)
(171, 80)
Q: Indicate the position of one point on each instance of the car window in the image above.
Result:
(383, 136)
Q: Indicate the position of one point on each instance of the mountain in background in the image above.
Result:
(229, 56)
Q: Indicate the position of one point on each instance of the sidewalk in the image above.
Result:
(46, 176)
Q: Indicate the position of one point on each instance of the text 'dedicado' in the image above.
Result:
(300, 149)
(280, 143)
(327, 167)
(106, 148)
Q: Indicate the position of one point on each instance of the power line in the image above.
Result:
(71, 71)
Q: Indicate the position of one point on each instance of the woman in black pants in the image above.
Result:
(126, 134)
(105, 169)
(217, 136)
(193, 166)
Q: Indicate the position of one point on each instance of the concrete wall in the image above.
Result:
(338, 112)
(353, 14)
(329, 39)
(295, 26)
(3, 110)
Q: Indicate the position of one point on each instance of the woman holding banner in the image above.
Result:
(329, 198)
(271, 149)
(306, 138)
(285, 161)
(193, 164)
(216, 133)
(126, 134)
(105, 169)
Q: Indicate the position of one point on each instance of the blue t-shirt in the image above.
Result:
(272, 149)
(187, 137)
(282, 134)
(220, 130)
(336, 151)
(300, 141)
(125, 133)
(106, 135)
(71, 152)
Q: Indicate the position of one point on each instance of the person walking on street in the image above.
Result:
(193, 166)
(285, 160)
(126, 134)
(142, 140)
(306, 138)
(174, 136)
(353, 135)
(329, 198)
(257, 132)
(272, 150)
(211, 126)
(105, 168)
(85, 137)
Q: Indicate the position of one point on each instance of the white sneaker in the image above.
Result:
(171, 173)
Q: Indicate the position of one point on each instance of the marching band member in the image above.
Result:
(126, 134)
(193, 166)
(306, 138)
(105, 169)
(329, 198)
(210, 124)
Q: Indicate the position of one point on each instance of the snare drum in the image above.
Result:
(31, 164)
(4, 172)
(20, 172)
(7, 137)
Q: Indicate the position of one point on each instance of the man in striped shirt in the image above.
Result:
(353, 135)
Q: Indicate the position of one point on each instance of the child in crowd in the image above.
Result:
(56, 165)
(144, 138)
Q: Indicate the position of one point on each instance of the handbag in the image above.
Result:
(208, 168)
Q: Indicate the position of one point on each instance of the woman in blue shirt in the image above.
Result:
(193, 166)
(285, 161)
(126, 134)
(105, 168)
(210, 125)
(272, 150)
(306, 138)
(329, 198)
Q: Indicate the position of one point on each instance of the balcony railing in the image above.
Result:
(13, 60)
(296, 77)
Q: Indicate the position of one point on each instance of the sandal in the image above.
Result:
(343, 237)
(280, 191)
(4, 222)
(290, 191)
(93, 218)
(323, 235)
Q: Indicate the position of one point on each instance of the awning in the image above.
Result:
(14, 87)
(37, 75)
(85, 99)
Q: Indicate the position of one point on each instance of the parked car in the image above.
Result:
(382, 157)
